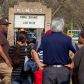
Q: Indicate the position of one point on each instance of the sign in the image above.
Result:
(29, 21)
(28, 10)
(74, 34)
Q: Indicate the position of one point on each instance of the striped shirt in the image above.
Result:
(18, 70)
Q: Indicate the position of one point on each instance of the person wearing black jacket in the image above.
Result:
(79, 62)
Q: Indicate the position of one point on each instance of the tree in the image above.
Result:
(71, 10)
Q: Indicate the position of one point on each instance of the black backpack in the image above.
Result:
(14, 53)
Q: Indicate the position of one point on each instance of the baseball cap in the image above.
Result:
(4, 21)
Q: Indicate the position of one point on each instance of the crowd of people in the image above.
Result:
(45, 62)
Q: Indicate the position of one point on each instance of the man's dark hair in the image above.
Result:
(21, 37)
(81, 34)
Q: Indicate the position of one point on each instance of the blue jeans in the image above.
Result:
(21, 81)
(30, 65)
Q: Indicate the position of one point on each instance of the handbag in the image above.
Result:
(30, 65)
(38, 77)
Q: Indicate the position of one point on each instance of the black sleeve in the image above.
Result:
(77, 59)
(71, 47)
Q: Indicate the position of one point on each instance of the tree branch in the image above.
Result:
(61, 3)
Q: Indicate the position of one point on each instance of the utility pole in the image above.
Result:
(71, 27)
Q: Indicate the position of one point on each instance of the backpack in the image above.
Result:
(16, 57)
(14, 53)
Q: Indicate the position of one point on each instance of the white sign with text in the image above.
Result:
(29, 21)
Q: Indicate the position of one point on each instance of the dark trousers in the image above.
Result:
(75, 78)
(22, 81)
(56, 75)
